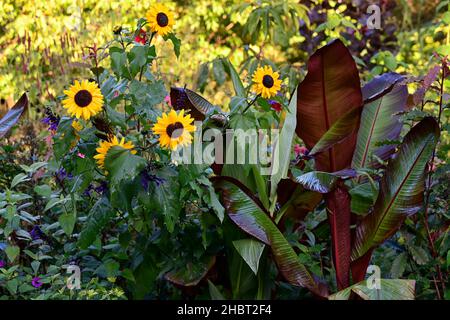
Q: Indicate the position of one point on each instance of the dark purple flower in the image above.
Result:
(146, 178)
(62, 174)
(51, 120)
(88, 190)
(36, 233)
(2, 264)
(36, 282)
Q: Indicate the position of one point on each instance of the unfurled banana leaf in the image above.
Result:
(379, 121)
(363, 197)
(389, 289)
(13, 115)
(401, 188)
(249, 214)
(281, 154)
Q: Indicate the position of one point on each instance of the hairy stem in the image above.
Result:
(251, 103)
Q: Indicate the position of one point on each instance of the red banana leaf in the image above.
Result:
(401, 188)
(379, 121)
(330, 91)
(249, 214)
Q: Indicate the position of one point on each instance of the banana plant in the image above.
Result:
(331, 90)
(343, 125)
(402, 185)
(349, 131)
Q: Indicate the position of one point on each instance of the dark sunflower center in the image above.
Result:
(267, 81)
(83, 98)
(174, 130)
(162, 19)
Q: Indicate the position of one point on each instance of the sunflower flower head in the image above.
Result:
(174, 129)
(266, 82)
(160, 19)
(84, 100)
(104, 147)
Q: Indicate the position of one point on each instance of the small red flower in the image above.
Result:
(141, 37)
(275, 105)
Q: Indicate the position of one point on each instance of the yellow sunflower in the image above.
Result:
(174, 129)
(84, 99)
(160, 19)
(104, 147)
(266, 82)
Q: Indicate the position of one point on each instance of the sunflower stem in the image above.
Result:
(151, 38)
(251, 103)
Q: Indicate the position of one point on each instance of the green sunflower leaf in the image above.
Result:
(122, 165)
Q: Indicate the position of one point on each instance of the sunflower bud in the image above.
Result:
(117, 30)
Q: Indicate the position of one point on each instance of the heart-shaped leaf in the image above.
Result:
(122, 165)
(100, 214)
(67, 222)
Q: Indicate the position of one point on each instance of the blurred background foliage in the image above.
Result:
(43, 45)
(209, 29)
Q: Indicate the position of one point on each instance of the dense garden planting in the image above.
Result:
(225, 150)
